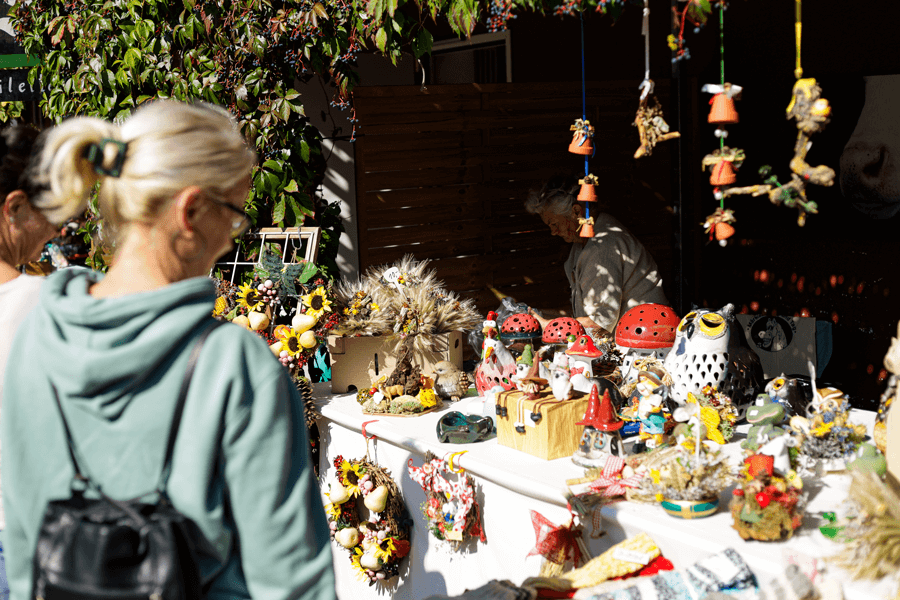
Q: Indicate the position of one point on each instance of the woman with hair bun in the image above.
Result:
(173, 182)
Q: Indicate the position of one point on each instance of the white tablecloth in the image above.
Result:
(510, 484)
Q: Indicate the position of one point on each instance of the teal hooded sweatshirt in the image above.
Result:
(241, 466)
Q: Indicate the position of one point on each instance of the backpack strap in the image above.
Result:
(179, 409)
(173, 431)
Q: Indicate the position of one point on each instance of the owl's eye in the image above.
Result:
(712, 324)
(687, 320)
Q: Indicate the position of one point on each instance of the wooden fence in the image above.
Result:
(443, 172)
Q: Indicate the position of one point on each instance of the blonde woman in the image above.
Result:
(173, 181)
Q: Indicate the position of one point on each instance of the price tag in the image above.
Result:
(453, 535)
(632, 556)
(392, 275)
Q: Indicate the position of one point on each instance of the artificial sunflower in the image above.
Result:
(316, 302)
(357, 568)
(249, 297)
(350, 477)
(385, 550)
(290, 341)
(332, 511)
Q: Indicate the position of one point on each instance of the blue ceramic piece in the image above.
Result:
(457, 428)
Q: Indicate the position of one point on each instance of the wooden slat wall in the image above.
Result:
(442, 173)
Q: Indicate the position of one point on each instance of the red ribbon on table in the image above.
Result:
(556, 544)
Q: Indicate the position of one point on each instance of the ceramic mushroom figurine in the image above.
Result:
(645, 331)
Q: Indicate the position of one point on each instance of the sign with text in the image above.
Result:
(14, 86)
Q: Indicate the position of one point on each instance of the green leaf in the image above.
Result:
(278, 212)
(273, 165)
(292, 186)
(381, 38)
(304, 150)
(422, 43)
(309, 271)
(376, 8)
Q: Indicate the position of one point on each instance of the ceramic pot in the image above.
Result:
(691, 509)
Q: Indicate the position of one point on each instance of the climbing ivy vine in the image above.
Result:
(105, 58)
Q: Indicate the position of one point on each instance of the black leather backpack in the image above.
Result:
(124, 549)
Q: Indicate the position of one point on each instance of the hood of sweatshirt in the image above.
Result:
(101, 350)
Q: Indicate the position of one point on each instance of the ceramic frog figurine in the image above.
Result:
(765, 418)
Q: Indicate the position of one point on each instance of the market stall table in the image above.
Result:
(511, 484)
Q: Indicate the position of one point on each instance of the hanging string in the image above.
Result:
(645, 30)
(798, 28)
(587, 205)
(722, 61)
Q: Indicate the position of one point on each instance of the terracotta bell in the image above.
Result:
(723, 231)
(587, 193)
(723, 111)
(722, 174)
(587, 229)
(581, 144)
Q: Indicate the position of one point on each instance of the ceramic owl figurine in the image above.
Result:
(700, 352)
(711, 349)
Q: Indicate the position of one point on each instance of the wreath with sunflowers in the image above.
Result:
(378, 543)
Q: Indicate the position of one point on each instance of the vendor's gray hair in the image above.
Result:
(557, 196)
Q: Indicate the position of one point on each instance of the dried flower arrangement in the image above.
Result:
(828, 435)
(689, 475)
(450, 507)
(768, 505)
(873, 532)
(378, 544)
(717, 413)
(400, 300)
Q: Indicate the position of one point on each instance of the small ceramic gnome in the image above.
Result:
(561, 384)
(601, 432)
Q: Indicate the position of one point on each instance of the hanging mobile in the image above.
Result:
(581, 144)
(725, 161)
(652, 127)
(812, 113)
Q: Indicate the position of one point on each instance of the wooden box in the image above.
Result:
(555, 435)
(357, 361)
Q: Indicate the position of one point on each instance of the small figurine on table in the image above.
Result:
(653, 394)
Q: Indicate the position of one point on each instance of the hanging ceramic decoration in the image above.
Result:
(376, 544)
(581, 138)
(812, 113)
(723, 162)
(450, 507)
(581, 144)
(652, 127)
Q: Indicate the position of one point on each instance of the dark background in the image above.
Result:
(839, 268)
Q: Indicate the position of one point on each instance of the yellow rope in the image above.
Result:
(798, 28)
(458, 469)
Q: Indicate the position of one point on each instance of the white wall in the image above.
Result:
(334, 124)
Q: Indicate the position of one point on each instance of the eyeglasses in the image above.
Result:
(239, 223)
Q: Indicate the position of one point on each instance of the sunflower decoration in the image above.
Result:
(379, 543)
(317, 302)
(249, 297)
(290, 342)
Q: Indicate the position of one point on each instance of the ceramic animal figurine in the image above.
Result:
(788, 392)
(653, 395)
(764, 417)
(710, 349)
(496, 368)
(561, 384)
(450, 383)
(600, 437)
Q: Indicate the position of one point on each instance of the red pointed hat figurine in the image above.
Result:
(600, 413)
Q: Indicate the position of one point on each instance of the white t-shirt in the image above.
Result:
(17, 298)
(611, 273)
